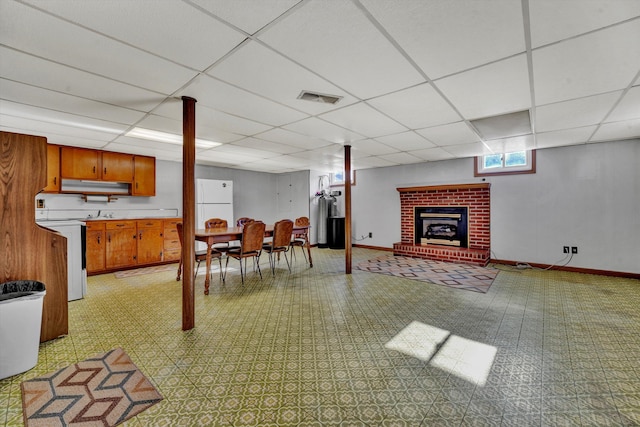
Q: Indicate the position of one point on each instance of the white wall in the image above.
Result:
(585, 195)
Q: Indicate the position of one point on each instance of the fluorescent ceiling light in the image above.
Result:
(170, 138)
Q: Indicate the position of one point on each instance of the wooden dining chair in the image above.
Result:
(250, 247)
(218, 223)
(199, 255)
(300, 239)
(242, 221)
(280, 243)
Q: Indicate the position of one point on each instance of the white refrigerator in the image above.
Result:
(214, 199)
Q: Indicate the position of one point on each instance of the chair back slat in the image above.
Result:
(252, 236)
(242, 221)
(216, 223)
(282, 231)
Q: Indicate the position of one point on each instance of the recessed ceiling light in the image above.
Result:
(504, 125)
(154, 135)
(322, 98)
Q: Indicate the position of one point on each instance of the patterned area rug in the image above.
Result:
(105, 390)
(146, 270)
(459, 276)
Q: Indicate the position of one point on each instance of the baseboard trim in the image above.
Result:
(377, 248)
(570, 269)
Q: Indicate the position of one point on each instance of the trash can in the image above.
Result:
(20, 320)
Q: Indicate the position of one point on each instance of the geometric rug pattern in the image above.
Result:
(459, 276)
(145, 270)
(105, 390)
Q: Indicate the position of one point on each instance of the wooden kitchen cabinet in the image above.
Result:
(96, 247)
(172, 247)
(53, 169)
(150, 241)
(121, 245)
(79, 163)
(144, 176)
(117, 167)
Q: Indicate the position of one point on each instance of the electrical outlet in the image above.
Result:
(370, 234)
(565, 249)
(40, 203)
(574, 249)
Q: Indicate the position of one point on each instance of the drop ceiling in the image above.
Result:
(411, 75)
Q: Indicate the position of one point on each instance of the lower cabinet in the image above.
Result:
(172, 247)
(96, 248)
(150, 241)
(121, 244)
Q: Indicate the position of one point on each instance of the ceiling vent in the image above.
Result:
(504, 126)
(322, 98)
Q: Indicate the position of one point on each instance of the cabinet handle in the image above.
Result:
(105, 171)
(55, 180)
(94, 169)
(140, 236)
(134, 236)
(109, 238)
(98, 239)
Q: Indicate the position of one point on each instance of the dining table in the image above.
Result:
(211, 236)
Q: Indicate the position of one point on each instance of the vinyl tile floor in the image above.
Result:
(316, 347)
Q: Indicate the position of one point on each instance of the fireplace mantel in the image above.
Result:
(443, 187)
(475, 196)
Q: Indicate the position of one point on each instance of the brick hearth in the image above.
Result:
(475, 196)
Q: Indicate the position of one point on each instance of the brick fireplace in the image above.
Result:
(416, 200)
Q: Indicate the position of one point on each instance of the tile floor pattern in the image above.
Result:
(308, 348)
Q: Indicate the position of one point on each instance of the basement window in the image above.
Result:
(516, 162)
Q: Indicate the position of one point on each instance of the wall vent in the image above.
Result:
(319, 97)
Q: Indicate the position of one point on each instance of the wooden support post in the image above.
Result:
(347, 208)
(188, 211)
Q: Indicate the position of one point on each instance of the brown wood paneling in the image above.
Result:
(27, 251)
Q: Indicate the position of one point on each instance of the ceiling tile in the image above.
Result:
(498, 88)
(353, 54)
(60, 78)
(600, 62)
(371, 162)
(406, 141)
(294, 139)
(618, 130)
(509, 145)
(163, 124)
(261, 144)
(451, 134)
(260, 70)
(27, 29)
(364, 120)
(372, 148)
(564, 137)
(248, 15)
(163, 150)
(61, 102)
(576, 113)
(47, 128)
(432, 154)
(131, 21)
(220, 96)
(445, 37)
(552, 21)
(401, 158)
(468, 150)
(417, 107)
(628, 108)
(44, 115)
(317, 128)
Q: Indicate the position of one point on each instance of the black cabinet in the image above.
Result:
(335, 232)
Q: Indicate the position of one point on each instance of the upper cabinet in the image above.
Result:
(87, 171)
(145, 176)
(83, 163)
(53, 169)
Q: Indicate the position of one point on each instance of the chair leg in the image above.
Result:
(179, 270)
(257, 259)
(287, 259)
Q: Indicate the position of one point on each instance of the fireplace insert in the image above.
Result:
(446, 225)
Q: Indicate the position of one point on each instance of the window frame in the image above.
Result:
(478, 169)
(334, 183)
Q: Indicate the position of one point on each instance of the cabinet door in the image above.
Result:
(172, 247)
(122, 243)
(144, 176)
(79, 163)
(53, 169)
(95, 251)
(117, 167)
(150, 241)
